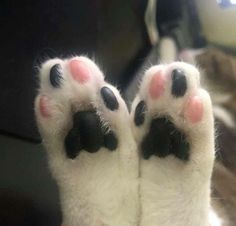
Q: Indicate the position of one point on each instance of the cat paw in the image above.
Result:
(85, 127)
(173, 126)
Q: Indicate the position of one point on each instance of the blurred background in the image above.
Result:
(124, 37)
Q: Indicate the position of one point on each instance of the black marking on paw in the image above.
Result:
(179, 83)
(72, 143)
(110, 141)
(147, 147)
(139, 115)
(157, 141)
(55, 76)
(88, 134)
(109, 98)
(179, 146)
(160, 129)
(164, 139)
(90, 130)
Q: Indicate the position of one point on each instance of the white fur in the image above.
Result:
(96, 189)
(167, 50)
(116, 188)
(214, 220)
(174, 192)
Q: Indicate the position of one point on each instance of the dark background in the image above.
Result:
(112, 32)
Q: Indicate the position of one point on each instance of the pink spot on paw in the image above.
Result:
(44, 106)
(79, 70)
(157, 83)
(194, 109)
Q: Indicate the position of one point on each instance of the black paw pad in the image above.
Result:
(164, 139)
(139, 115)
(90, 130)
(179, 83)
(88, 134)
(179, 146)
(55, 76)
(72, 143)
(109, 99)
(110, 141)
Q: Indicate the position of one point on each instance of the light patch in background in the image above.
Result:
(226, 2)
(217, 22)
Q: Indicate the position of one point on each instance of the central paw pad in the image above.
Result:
(88, 134)
(164, 139)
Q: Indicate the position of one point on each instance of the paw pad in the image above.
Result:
(55, 76)
(179, 83)
(88, 134)
(79, 70)
(109, 99)
(110, 141)
(44, 106)
(164, 139)
(139, 115)
(157, 83)
(194, 109)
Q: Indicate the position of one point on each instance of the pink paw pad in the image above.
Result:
(79, 70)
(194, 109)
(44, 106)
(156, 88)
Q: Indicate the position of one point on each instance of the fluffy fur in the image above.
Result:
(120, 188)
(174, 192)
(96, 189)
(219, 73)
